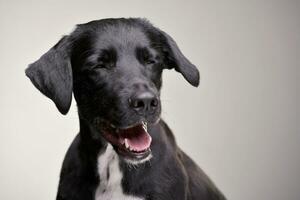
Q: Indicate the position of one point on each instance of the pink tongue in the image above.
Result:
(140, 143)
(137, 138)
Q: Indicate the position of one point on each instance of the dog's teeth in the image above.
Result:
(126, 144)
(130, 148)
(144, 125)
(145, 128)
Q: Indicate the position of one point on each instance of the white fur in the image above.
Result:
(111, 189)
(136, 163)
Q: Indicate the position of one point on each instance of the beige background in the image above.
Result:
(241, 125)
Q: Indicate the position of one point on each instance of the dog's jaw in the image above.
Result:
(135, 163)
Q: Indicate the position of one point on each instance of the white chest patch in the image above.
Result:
(111, 176)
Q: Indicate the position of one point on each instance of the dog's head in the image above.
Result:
(114, 69)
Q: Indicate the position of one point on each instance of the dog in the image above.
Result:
(124, 150)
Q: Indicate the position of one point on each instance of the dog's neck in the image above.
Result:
(91, 141)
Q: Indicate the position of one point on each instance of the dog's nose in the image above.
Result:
(144, 103)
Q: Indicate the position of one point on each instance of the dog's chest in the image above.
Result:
(109, 187)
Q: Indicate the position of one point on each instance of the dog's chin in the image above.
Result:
(132, 143)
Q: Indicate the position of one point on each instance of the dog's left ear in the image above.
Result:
(52, 75)
(175, 59)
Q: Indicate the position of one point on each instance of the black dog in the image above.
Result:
(124, 151)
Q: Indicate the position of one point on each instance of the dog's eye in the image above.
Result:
(144, 56)
(103, 65)
(99, 65)
(150, 61)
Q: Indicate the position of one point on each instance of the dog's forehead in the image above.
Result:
(121, 37)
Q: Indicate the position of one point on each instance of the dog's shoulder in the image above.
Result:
(200, 185)
(78, 173)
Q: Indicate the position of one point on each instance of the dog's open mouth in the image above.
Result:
(132, 142)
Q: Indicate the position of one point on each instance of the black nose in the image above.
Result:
(144, 103)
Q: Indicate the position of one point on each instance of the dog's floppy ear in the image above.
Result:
(175, 59)
(52, 75)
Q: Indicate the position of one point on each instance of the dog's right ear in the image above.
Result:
(179, 62)
(52, 75)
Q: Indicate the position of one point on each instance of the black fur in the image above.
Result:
(105, 63)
